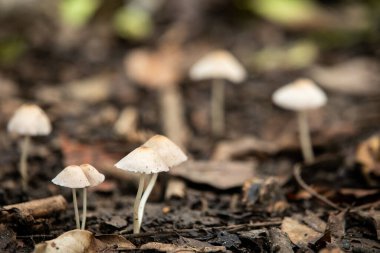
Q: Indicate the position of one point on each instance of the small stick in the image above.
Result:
(76, 211)
(231, 228)
(297, 175)
(40, 207)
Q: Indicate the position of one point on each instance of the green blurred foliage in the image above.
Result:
(11, 49)
(285, 12)
(133, 23)
(76, 13)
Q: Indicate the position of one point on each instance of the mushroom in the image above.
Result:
(28, 120)
(301, 96)
(218, 65)
(142, 160)
(94, 177)
(72, 177)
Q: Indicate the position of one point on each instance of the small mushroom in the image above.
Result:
(301, 96)
(142, 160)
(218, 65)
(94, 177)
(28, 120)
(72, 177)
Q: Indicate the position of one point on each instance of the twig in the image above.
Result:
(297, 175)
(40, 207)
(366, 206)
(230, 228)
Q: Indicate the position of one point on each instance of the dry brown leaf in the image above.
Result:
(219, 174)
(368, 154)
(358, 76)
(74, 241)
(300, 234)
(83, 241)
(226, 150)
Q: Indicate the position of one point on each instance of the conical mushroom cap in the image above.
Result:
(142, 160)
(71, 177)
(94, 177)
(29, 120)
(218, 65)
(301, 95)
(170, 153)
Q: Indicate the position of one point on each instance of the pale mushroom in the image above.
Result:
(28, 120)
(94, 177)
(301, 96)
(72, 177)
(218, 65)
(142, 160)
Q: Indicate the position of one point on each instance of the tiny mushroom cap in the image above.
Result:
(142, 160)
(29, 120)
(94, 177)
(218, 65)
(71, 177)
(170, 153)
(301, 95)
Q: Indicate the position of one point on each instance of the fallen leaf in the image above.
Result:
(280, 242)
(357, 76)
(227, 150)
(171, 248)
(219, 174)
(300, 234)
(83, 241)
(368, 154)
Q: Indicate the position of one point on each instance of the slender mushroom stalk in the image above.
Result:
(300, 96)
(28, 120)
(217, 107)
(94, 178)
(136, 223)
(144, 199)
(218, 65)
(24, 162)
(84, 212)
(304, 134)
(76, 210)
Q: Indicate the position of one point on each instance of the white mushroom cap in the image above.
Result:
(301, 95)
(167, 150)
(142, 160)
(218, 65)
(72, 177)
(94, 177)
(29, 120)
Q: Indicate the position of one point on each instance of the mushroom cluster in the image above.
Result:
(156, 155)
(79, 177)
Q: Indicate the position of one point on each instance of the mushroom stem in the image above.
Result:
(23, 162)
(137, 203)
(84, 213)
(144, 198)
(75, 202)
(217, 107)
(304, 133)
